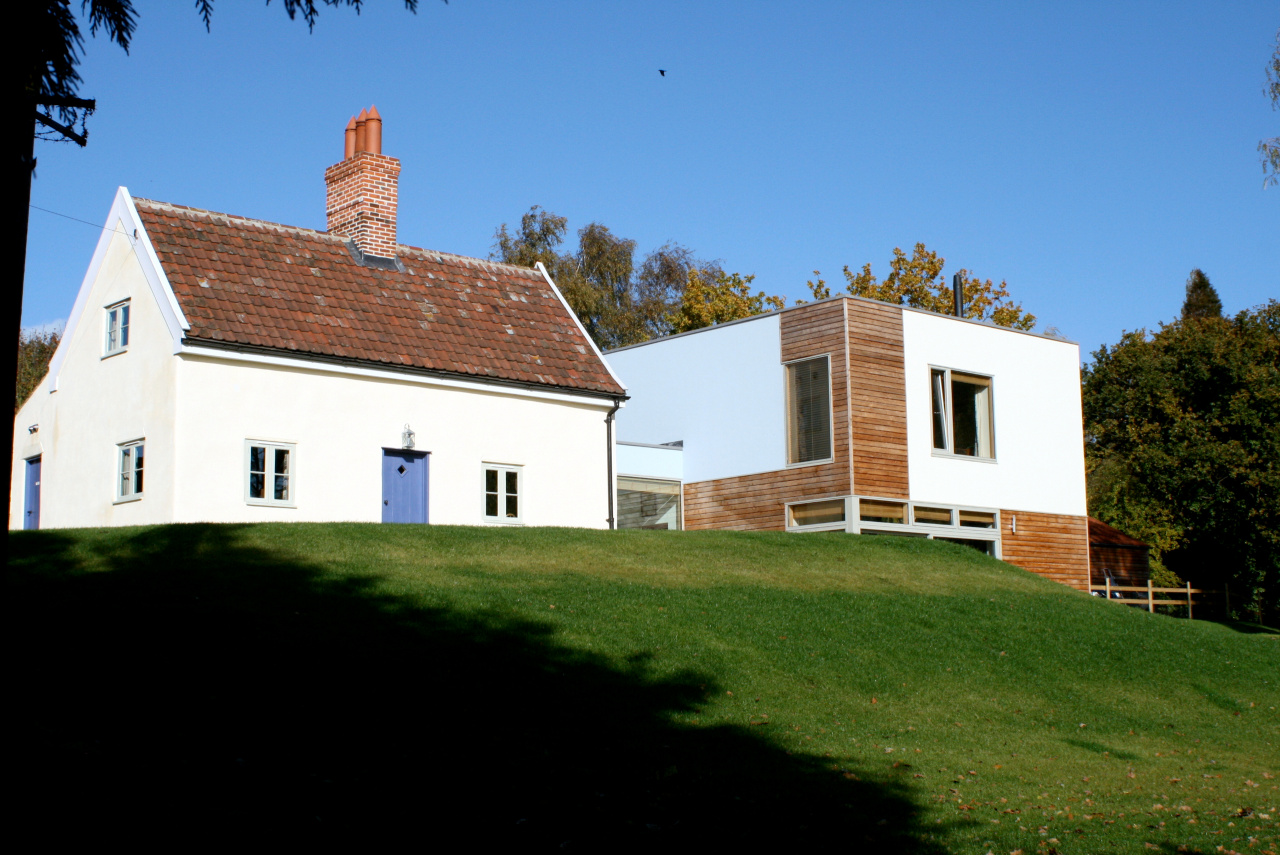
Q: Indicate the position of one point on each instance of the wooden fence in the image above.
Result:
(1188, 599)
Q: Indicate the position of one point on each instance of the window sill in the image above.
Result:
(137, 497)
(811, 463)
(496, 521)
(263, 504)
(119, 352)
(947, 455)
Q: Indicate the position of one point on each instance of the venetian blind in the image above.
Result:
(809, 411)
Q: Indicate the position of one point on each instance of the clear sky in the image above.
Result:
(1091, 154)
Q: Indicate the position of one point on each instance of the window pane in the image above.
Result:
(870, 510)
(933, 516)
(257, 483)
(282, 488)
(513, 507)
(513, 483)
(124, 325)
(137, 469)
(491, 484)
(126, 471)
(491, 504)
(939, 410)
(257, 459)
(648, 503)
(817, 513)
(282, 461)
(978, 519)
(809, 411)
(112, 320)
(971, 414)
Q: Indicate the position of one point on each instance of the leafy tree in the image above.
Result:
(1269, 149)
(1202, 298)
(917, 282)
(618, 301)
(1182, 432)
(715, 297)
(35, 349)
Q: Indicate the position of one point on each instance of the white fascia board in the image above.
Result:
(547, 276)
(122, 219)
(302, 364)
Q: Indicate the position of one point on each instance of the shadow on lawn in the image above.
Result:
(207, 690)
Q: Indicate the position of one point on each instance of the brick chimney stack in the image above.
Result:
(363, 188)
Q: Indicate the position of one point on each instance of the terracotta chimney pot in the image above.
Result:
(349, 144)
(373, 131)
(362, 139)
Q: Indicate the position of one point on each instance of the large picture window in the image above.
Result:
(269, 473)
(131, 457)
(648, 503)
(809, 410)
(962, 413)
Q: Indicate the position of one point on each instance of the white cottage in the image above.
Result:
(224, 369)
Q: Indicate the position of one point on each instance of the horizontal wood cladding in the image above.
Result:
(1055, 546)
(815, 330)
(1128, 565)
(878, 399)
(752, 502)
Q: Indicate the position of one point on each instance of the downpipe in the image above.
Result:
(608, 435)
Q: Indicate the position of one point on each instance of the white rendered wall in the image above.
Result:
(99, 403)
(649, 461)
(720, 390)
(340, 425)
(1039, 436)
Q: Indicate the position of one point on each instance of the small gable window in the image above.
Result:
(131, 457)
(117, 339)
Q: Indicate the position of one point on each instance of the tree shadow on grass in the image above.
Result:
(203, 689)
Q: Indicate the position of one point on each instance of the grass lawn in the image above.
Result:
(556, 688)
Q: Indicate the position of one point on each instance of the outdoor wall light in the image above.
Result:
(407, 438)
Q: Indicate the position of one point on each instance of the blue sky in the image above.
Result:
(1091, 154)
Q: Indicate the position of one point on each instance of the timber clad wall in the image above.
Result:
(878, 393)
(1128, 564)
(755, 502)
(1055, 546)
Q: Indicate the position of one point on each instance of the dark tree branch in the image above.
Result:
(79, 139)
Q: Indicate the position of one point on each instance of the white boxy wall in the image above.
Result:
(1038, 422)
(720, 390)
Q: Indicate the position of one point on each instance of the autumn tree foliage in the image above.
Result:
(1202, 298)
(619, 301)
(1269, 149)
(35, 349)
(917, 281)
(715, 297)
(1182, 433)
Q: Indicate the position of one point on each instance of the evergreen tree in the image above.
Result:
(1202, 299)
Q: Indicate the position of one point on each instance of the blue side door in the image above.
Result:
(404, 486)
(32, 517)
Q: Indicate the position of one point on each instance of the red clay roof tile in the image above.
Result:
(264, 285)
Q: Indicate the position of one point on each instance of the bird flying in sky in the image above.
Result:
(662, 71)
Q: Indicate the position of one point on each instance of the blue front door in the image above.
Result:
(404, 486)
(32, 517)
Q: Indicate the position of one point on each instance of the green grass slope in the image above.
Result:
(566, 689)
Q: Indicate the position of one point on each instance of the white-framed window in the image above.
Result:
(809, 411)
(503, 500)
(963, 415)
(117, 331)
(130, 460)
(270, 473)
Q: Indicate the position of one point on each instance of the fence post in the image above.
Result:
(1189, 615)
(1108, 589)
(1151, 599)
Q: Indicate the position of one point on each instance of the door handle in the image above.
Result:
(386, 501)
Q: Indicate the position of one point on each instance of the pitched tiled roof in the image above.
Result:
(252, 284)
(1101, 534)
